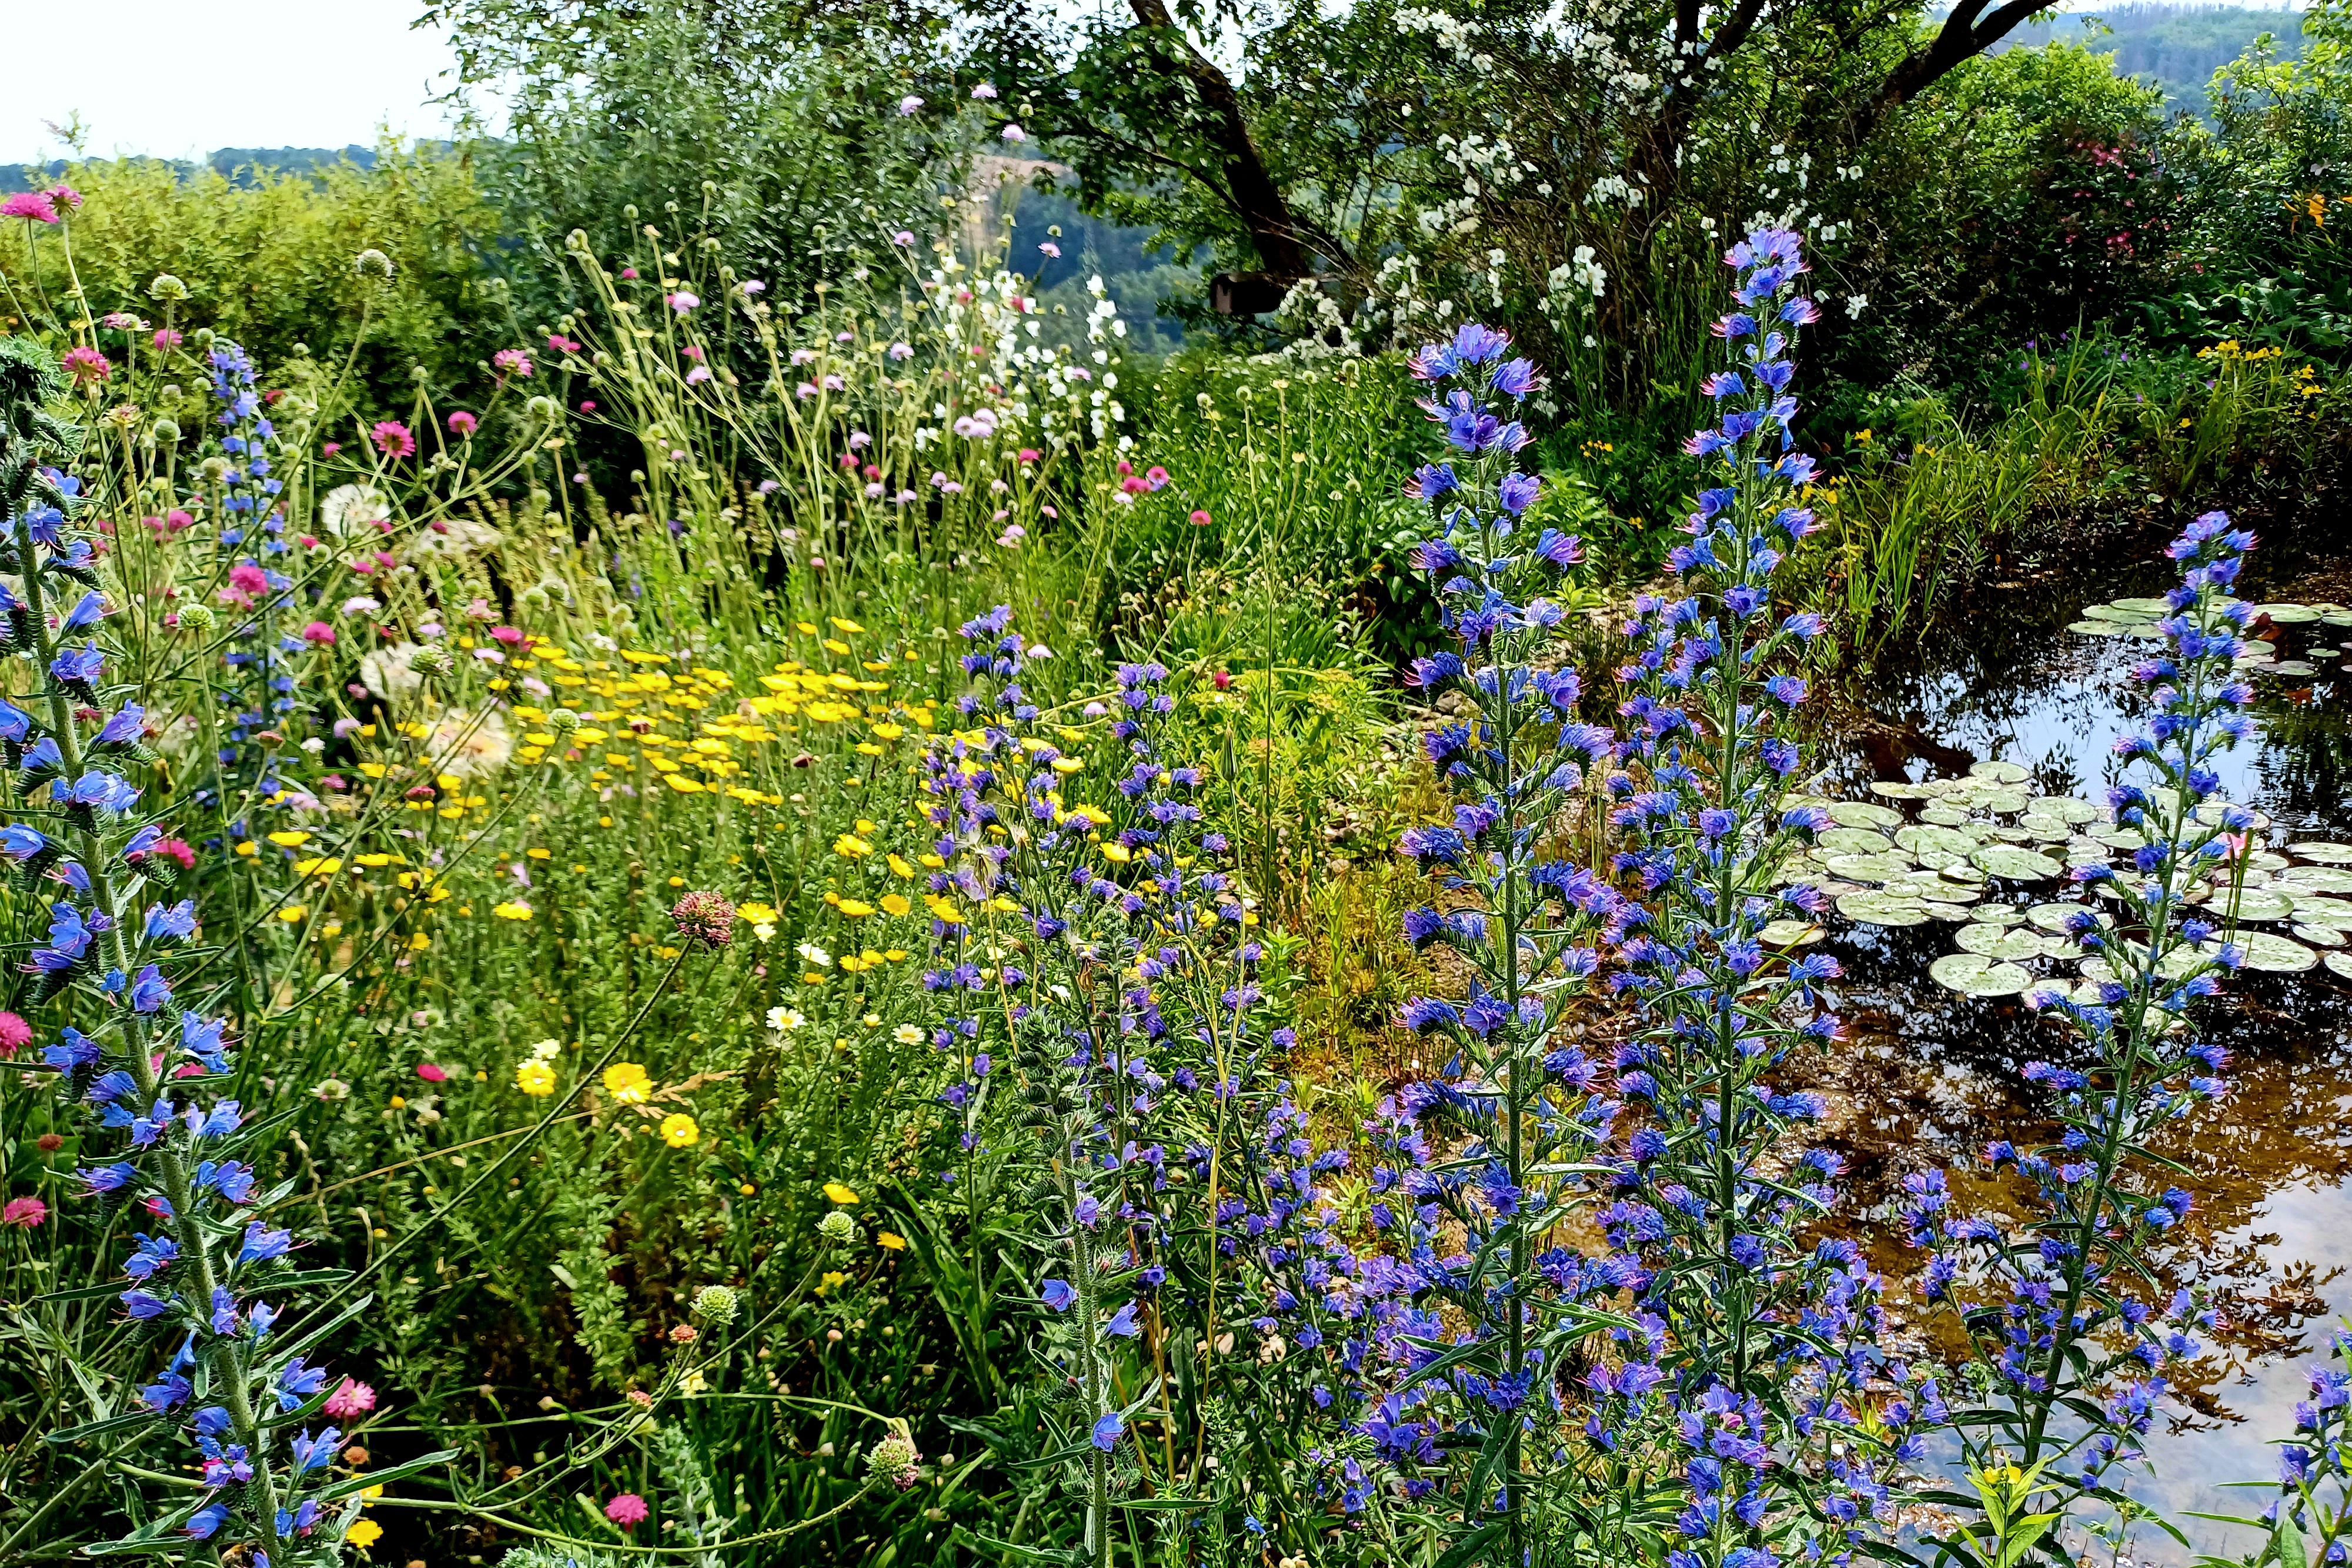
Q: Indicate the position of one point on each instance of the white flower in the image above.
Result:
(347, 506)
(314, 746)
(784, 1020)
(470, 746)
(386, 673)
(361, 605)
(547, 1050)
(765, 932)
(908, 1034)
(1854, 304)
(815, 954)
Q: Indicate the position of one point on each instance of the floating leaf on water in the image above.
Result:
(2338, 617)
(2044, 829)
(1789, 934)
(2287, 614)
(1882, 909)
(2000, 801)
(2340, 963)
(1974, 975)
(1996, 915)
(1920, 836)
(2210, 813)
(2096, 628)
(2112, 612)
(2119, 838)
(1863, 814)
(2053, 917)
(2145, 606)
(1850, 840)
(2274, 954)
(1882, 867)
(2072, 809)
(2017, 865)
(1943, 816)
(1998, 772)
(2291, 667)
(2331, 911)
(2254, 903)
(2008, 835)
(2012, 943)
(2176, 965)
(2318, 936)
(2322, 653)
(2319, 849)
(2317, 878)
(1943, 910)
(1895, 789)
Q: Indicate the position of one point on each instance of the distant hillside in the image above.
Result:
(237, 163)
(2176, 49)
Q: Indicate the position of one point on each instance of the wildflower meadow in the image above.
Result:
(701, 873)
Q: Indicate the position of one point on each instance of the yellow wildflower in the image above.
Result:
(627, 1082)
(513, 909)
(840, 1193)
(535, 1078)
(679, 1131)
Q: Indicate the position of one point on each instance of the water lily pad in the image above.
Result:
(2008, 835)
(2019, 865)
(2014, 944)
(2318, 936)
(1895, 789)
(1789, 934)
(1973, 975)
(1943, 816)
(2001, 800)
(2120, 838)
(1918, 836)
(1944, 911)
(1883, 867)
(2340, 963)
(1863, 814)
(2096, 628)
(2275, 954)
(2000, 772)
(1996, 915)
(1850, 840)
(2113, 613)
(2210, 813)
(2254, 903)
(2292, 668)
(2067, 808)
(2329, 912)
(2318, 849)
(2044, 829)
(2318, 878)
(2145, 606)
(2287, 614)
(1882, 909)
(1939, 860)
(2053, 917)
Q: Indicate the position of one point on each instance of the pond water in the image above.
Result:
(1931, 1074)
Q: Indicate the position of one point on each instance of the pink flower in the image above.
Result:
(510, 635)
(904, 236)
(87, 365)
(171, 850)
(588, 407)
(247, 577)
(32, 206)
(1050, 248)
(909, 104)
(14, 1035)
(512, 362)
(24, 1212)
(984, 90)
(432, 1072)
(1013, 133)
(630, 272)
(1200, 520)
(559, 344)
(121, 321)
(682, 301)
(1155, 476)
(627, 1510)
(351, 1398)
(319, 635)
(64, 195)
(464, 424)
(393, 439)
(697, 375)
(166, 339)
(330, 449)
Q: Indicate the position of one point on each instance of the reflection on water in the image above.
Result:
(1931, 1075)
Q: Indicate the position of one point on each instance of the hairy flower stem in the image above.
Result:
(194, 1244)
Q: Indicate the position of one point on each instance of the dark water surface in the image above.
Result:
(1932, 1076)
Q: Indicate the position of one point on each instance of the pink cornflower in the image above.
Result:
(432, 1072)
(464, 424)
(512, 362)
(247, 577)
(319, 635)
(14, 1035)
(393, 439)
(86, 366)
(24, 1212)
(34, 206)
(64, 195)
(351, 1398)
(627, 1510)
(166, 339)
(557, 343)
(330, 449)
(630, 272)
(512, 636)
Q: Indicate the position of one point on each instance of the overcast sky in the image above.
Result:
(174, 79)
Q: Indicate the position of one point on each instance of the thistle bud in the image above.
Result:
(893, 1462)
(837, 1227)
(198, 617)
(431, 660)
(716, 1305)
(372, 263)
(166, 430)
(167, 287)
(562, 721)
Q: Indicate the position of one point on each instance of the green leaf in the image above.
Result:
(1163, 1504)
(80, 1293)
(99, 1428)
(2288, 1542)
(289, 1351)
(351, 1484)
(1468, 1549)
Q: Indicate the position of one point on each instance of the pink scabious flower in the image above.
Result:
(432, 1072)
(629, 273)
(512, 361)
(351, 1398)
(697, 375)
(393, 439)
(121, 321)
(463, 423)
(909, 104)
(64, 195)
(705, 917)
(86, 366)
(14, 1035)
(319, 635)
(32, 206)
(510, 635)
(24, 1213)
(557, 343)
(904, 236)
(682, 301)
(166, 339)
(627, 1510)
(247, 577)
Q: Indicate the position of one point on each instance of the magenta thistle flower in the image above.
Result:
(34, 206)
(627, 1510)
(351, 1398)
(393, 439)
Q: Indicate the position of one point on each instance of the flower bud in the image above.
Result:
(167, 287)
(198, 617)
(893, 1462)
(716, 1305)
(372, 263)
(562, 721)
(166, 430)
(431, 660)
(837, 1227)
